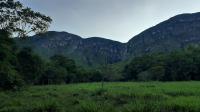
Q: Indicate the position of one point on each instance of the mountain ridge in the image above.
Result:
(173, 34)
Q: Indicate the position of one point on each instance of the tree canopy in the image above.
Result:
(21, 20)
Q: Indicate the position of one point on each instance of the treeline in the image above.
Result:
(57, 70)
(19, 67)
(181, 65)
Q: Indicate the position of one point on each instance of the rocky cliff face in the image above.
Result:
(173, 34)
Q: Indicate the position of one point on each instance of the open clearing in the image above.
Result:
(113, 97)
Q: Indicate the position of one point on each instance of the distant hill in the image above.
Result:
(175, 33)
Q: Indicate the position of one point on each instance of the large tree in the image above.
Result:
(16, 67)
(21, 20)
(9, 77)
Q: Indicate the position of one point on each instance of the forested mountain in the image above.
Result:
(173, 34)
(91, 51)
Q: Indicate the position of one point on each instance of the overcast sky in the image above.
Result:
(113, 19)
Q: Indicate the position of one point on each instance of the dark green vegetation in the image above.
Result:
(115, 97)
(176, 66)
(9, 77)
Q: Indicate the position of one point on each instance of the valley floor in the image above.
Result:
(113, 97)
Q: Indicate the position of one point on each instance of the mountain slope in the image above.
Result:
(91, 51)
(175, 33)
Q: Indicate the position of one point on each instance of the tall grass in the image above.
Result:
(114, 97)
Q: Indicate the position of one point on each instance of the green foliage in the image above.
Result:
(59, 70)
(175, 66)
(17, 67)
(138, 65)
(66, 63)
(30, 66)
(9, 77)
(53, 75)
(144, 76)
(21, 20)
(88, 75)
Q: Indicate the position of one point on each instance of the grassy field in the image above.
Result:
(115, 97)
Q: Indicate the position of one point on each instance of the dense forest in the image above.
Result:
(182, 65)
